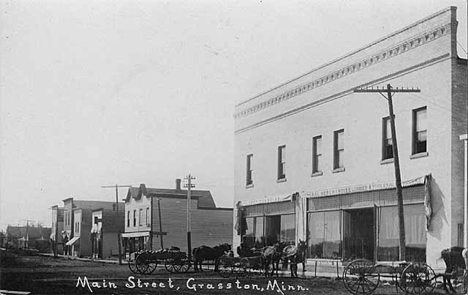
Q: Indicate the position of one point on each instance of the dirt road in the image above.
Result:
(49, 275)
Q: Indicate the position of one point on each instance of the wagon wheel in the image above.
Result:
(246, 267)
(181, 264)
(225, 266)
(417, 278)
(132, 263)
(169, 265)
(145, 264)
(360, 277)
(239, 269)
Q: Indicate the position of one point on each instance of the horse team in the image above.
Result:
(269, 256)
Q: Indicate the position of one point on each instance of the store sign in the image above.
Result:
(360, 188)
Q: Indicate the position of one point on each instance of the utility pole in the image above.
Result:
(160, 224)
(401, 218)
(117, 210)
(189, 186)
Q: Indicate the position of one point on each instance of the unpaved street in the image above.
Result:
(48, 275)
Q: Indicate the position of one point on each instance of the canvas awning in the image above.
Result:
(268, 200)
(72, 241)
(135, 234)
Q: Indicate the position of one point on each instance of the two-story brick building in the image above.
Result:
(314, 160)
(146, 207)
(78, 223)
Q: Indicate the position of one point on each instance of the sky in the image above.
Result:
(97, 93)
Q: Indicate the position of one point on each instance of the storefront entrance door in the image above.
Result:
(359, 236)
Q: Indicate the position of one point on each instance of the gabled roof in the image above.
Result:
(205, 199)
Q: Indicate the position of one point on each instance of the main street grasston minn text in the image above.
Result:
(195, 285)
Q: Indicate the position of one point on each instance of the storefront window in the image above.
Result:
(288, 228)
(266, 231)
(272, 229)
(324, 235)
(415, 233)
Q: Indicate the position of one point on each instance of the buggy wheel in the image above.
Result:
(360, 277)
(132, 263)
(225, 266)
(417, 278)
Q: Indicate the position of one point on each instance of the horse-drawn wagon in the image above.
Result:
(145, 262)
(253, 261)
(362, 276)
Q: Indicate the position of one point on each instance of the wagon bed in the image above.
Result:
(145, 262)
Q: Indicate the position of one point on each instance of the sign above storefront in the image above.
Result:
(267, 200)
(360, 188)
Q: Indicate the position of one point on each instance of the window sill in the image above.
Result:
(419, 155)
(386, 161)
(338, 170)
(281, 180)
(249, 185)
(315, 174)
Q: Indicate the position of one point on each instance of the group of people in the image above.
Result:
(55, 244)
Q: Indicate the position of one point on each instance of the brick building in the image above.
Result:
(314, 161)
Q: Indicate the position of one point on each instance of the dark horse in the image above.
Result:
(203, 253)
(272, 255)
(453, 259)
(295, 254)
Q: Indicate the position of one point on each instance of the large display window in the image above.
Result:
(264, 231)
(324, 236)
(388, 233)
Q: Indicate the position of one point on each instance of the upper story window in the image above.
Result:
(316, 154)
(134, 217)
(140, 217)
(420, 130)
(338, 149)
(249, 177)
(77, 227)
(282, 162)
(387, 143)
(128, 218)
(147, 217)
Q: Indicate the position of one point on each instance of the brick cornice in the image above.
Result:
(371, 60)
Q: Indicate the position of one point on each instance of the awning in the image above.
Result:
(72, 241)
(268, 200)
(361, 188)
(136, 234)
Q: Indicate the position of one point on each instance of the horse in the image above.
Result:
(295, 254)
(272, 255)
(453, 259)
(203, 253)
